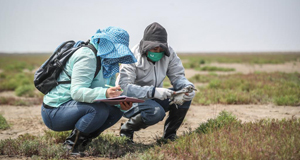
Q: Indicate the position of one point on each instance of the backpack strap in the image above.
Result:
(90, 46)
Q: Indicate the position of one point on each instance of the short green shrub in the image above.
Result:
(28, 145)
(18, 67)
(56, 137)
(224, 118)
(25, 90)
(287, 100)
(202, 78)
(194, 64)
(214, 68)
(14, 80)
(111, 146)
(215, 83)
(3, 123)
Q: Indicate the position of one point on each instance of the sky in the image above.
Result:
(193, 25)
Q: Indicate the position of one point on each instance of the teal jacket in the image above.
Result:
(84, 87)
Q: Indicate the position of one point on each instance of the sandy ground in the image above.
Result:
(289, 67)
(28, 119)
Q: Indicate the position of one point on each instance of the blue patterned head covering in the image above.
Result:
(112, 44)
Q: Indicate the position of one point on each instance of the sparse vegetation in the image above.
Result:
(25, 90)
(224, 137)
(20, 62)
(16, 74)
(12, 81)
(3, 123)
(213, 69)
(50, 146)
(195, 60)
(20, 101)
(227, 138)
(256, 88)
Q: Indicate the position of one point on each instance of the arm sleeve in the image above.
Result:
(84, 67)
(112, 80)
(127, 78)
(176, 72)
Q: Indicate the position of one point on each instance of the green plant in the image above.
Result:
(224, 118)
(3, 123)
(28, 145)
(213, 68)
(255, 88)
(215, 83)
(25, 90)
(50, 146)
(227, 138)
(192, 60)
(56, 137)
(287, 100)
(202, 78)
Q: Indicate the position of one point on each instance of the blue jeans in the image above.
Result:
(86, 117)
(153, 110)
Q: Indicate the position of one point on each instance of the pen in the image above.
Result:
(106, 85)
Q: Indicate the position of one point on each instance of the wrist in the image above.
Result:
(106, 93)
(153, 92)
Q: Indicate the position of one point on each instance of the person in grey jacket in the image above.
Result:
(144, 80)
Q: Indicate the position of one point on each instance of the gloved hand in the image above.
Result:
(163, 93)
(189, 96)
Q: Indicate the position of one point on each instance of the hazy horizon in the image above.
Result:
(193, 26)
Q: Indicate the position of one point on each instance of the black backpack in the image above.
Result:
(45, 78)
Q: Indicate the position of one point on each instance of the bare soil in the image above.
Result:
(288, 67)
(27, 119)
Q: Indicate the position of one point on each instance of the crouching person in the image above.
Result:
(144, 80)
(71, 107)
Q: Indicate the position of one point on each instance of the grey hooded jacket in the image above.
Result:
(140, 79)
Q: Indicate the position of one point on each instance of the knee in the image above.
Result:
(155, 116)
(99, 109)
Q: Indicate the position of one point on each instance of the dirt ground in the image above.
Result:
(28, 119)
(288, 67)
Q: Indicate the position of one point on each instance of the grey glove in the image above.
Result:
(163, 93)
(189, 97)
(190, 93)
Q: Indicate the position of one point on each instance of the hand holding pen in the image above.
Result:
(117, 91)
(113, 91)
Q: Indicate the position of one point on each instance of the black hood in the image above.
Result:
(155, 35)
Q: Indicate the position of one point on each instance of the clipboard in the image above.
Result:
(117, 100)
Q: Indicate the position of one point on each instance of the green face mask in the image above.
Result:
(155, 56)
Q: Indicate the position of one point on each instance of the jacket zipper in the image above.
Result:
(155, 76)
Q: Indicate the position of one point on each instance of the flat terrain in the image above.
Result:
(28, 119)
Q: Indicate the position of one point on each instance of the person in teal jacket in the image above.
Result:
(71, 107)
